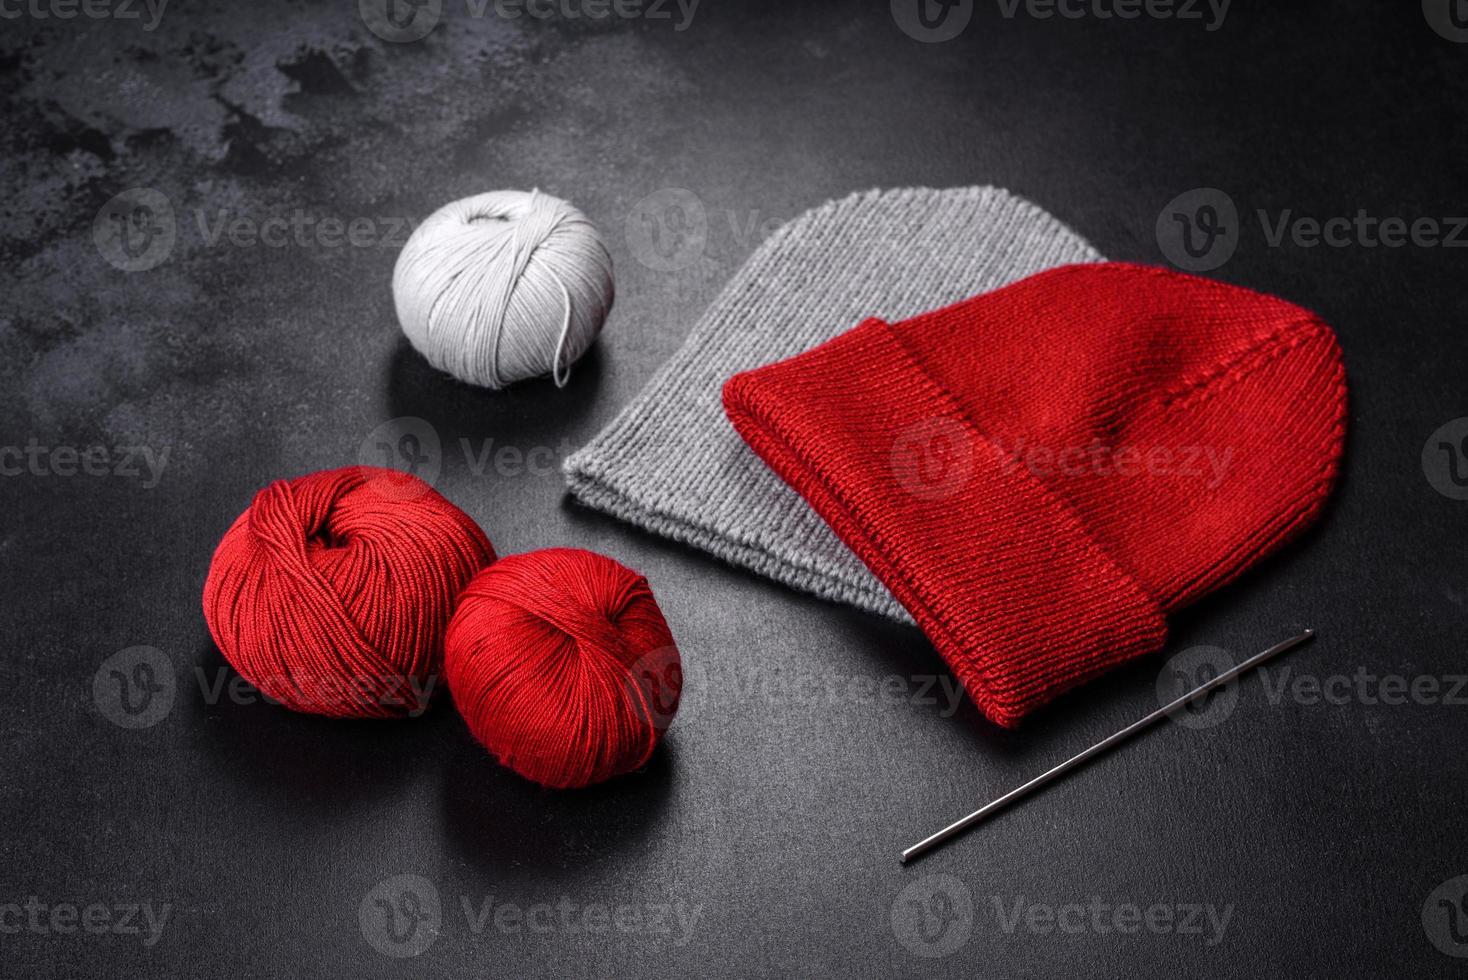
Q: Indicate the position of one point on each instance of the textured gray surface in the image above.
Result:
(817, 740)
(671, 462)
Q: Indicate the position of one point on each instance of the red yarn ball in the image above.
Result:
(331, 592)
(563, 666)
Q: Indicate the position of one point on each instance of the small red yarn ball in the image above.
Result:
(563, 667)
(331, 592)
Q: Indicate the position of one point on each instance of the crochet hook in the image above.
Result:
(1082, 758)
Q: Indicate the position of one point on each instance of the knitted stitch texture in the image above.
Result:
(671, 463)
(1021, 468)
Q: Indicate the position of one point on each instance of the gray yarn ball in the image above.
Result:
(503, 286)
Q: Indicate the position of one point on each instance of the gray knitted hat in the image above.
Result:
(671, 462)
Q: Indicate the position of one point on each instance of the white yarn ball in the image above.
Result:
(503, 286)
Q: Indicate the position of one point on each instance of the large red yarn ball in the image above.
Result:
(563, 666)
(331, 592)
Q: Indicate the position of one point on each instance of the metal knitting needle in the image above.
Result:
(1081, 759)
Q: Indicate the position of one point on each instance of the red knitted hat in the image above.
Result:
(1042, 473)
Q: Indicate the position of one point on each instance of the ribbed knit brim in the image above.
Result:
(988, 562)
(672, 463)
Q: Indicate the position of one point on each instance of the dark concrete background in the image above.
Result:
(772, 817)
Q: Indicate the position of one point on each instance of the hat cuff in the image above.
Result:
(999, 572)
